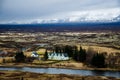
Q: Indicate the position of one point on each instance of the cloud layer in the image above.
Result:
(29, 10)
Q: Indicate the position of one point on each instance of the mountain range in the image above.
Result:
(96, 20)
(89, 16)
(97, 16)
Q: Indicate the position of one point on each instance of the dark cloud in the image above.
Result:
(1, 4)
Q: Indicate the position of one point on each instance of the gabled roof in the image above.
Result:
(35, 53)
(58, 56)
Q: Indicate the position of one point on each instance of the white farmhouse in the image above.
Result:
(34, 54)
(58, 56)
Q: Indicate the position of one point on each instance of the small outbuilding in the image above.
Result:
(35, 55)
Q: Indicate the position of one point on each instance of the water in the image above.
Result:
(66, 71)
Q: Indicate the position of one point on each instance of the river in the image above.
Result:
(65, 71)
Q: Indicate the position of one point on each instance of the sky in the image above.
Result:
(25, 11)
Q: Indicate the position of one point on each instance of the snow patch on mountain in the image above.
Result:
(103, 15)
(98, 15)
(106, 15)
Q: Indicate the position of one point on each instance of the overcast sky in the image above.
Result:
(25, 10)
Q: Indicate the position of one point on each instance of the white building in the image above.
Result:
(34, 54)
(58, 56)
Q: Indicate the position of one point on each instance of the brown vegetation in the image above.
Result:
(13, 75)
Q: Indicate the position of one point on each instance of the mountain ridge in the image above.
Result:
(61, 27)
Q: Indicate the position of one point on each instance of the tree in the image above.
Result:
(98, 60)
(75, 53)
(57, 49)
(4, 60)
(20, 57)
(46, 55)
(22, 78)
(69, 50)
(82, 55)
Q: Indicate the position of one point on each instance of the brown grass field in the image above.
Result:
(15, 75)
(101, 49)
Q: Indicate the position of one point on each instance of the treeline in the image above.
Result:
(65, 49)
(81, 55)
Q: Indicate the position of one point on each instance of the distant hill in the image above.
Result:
(60, 27)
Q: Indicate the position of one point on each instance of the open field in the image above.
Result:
(102, 49)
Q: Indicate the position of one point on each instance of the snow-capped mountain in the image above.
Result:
(117, 18)
(97, 16)
(109, 15)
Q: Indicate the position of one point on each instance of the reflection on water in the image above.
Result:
(67, 71)
(98, 72)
